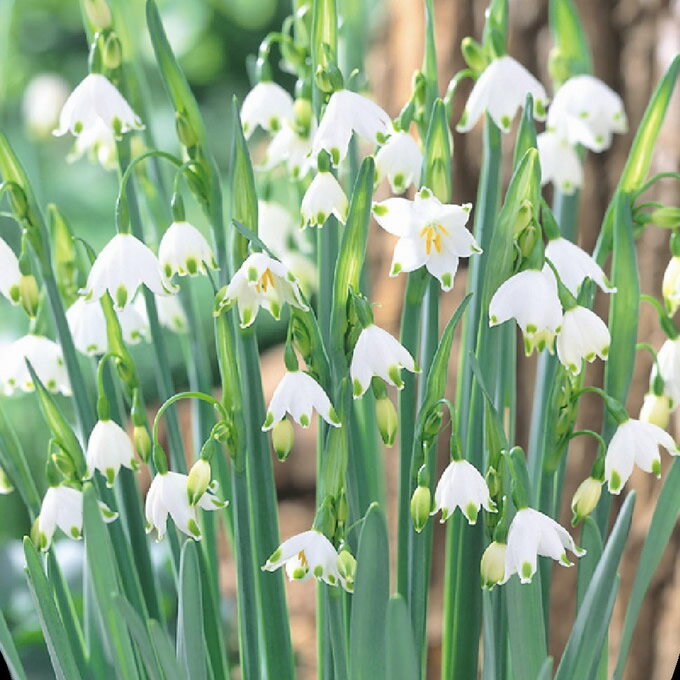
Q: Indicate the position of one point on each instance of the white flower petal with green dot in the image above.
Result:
(183, 250)
(583, 337)
(323, 198)
(560, 164)
(462, 486)
(267, 105)
(108, 448)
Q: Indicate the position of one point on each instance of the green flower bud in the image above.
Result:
(585, 499)
(492, 566)
(667, 217)
(656, 410)
(559, 67)
(185, 133)
(303, 115)
(387, 420)
(98, 13)
(198, 480)
(474, 54)
(421, 506)
(142, 442)
(283, 438)
(347, 566)
(29, 295)
(5, 483)
(112, 54)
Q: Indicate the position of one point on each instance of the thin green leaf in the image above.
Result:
(165, 652)
(191, 649)
(663, 523)
(369, 604)
(9, 652)
(492, 418)
(61, 654)
(546, 670)
(571, 41)
(141, 637)
(526, 134)
(402, 661)
(589, 633)
(591, 542)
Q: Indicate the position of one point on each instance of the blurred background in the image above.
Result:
(43, 54)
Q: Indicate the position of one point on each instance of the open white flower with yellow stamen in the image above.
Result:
(532, 534)
(261, 281)
(430, 233)
(560, 163)
(306, 555)
(183, 250)
(583, 336)
(168, 495)
(299, 394)
(124, 264)
(400, 160)
(530, 297)
(586, 111)
(267, 105)
(635, 443)
(377, 353)
(292, 148)
(323, 198)
(10, 275)
(46, 358)
(96, 100)
(462, 486)
(87, 324)
(574, 266)
(501, 91)
(62, 507)
(108, 448)
(349, 112)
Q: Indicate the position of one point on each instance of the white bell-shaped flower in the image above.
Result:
(349, 112)
(261, 281)
(290, 147)
(574, 266)
(323, 198)
(98, 143)
(669, 364)
(430, 233)
(400, 160)
(306, 555)
(299, 394)
(185, 251)
(43, 99)
(670, 287)
(121, 267)
(656, 409)
(267, 105)
(62, 507)
(168, 495)
(462, 486)
(171, 314)
(501, 91)
(96, 100)
(583, 336)
(560, 163)
(378, 353)
(530, 297)
(46, 358)
(10, 275)
(87, 324)
(586, 111)
(109, 447)
(635, 443)
(532, 534)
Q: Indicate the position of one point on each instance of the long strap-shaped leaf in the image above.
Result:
(402, 661)
(9, 652)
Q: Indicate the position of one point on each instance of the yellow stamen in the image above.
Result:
(266, 280)
(432, 233)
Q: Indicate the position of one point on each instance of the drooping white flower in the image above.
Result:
(305, 555)
(656, 409)
(349, 112)
(560, 163)
(574, 266)
(462, 486)
(10, 275)
(168, 495)
(185, 251)
(98, 142)
(586, 111)
(323, 198)
(46, 358)
(171, 314)
(530, 297)
(62, 507)
(670, 287)
(378, 353)
(583, 336)
(635, 443)
(121, 267)
(43, 99)
(492, 564)
(430, 233)
(668, 359)
(531, 534)
(109, 447)
(266, 105)
(95, 100)
(261, 281)
(292, 148)
(501, 91)
(87, 324)
(299, 394)
(400, 160)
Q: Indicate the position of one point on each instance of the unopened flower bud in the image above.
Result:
(387, 420)
(5, 483)
(303, 115)
(112, 54)
(474, 54)
(527, 240)
(524, 216)
(29, 294)
(558, 67)
(421, 506)
(142, 442)
(667, 217)
(198, 480)
(98, 13)
(185, 132)
(63, 463)
(347, 566)
(585, 499)
(283, 437)
(492, 566)
(656, 410)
